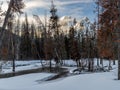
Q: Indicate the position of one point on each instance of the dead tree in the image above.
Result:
(17, 41)
(56, 33)
(14, 6)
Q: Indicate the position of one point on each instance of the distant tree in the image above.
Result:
(73, 44)
(33, 37)
(25, 45)
(17, 31)
(49, 48)
(67, 47)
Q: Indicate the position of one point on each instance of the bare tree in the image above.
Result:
(14, 6)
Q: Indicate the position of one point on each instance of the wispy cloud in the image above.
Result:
(75, 8)
(30, 4)
(46, 3)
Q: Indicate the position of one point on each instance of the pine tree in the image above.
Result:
(67, 47)
(54, 27)
(74, 50)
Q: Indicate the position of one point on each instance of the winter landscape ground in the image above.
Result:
(82, 81)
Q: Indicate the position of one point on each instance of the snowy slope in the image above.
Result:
(83, 25)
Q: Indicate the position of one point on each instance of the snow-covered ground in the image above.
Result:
(22, 82)
(91, 81)
(94, 81)
(20, 65)
(6, 67)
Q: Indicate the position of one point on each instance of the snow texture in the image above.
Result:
(90, 81)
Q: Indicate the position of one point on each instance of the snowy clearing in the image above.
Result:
(20, 65)
(27, 65)
(90, 81)
(96, 81)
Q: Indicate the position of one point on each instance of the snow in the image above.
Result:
(21, 82)
(31, 64)
(69, 62)
(81, 26)
(20, 65)
(35, 81)
(88, 81)
(93, 81)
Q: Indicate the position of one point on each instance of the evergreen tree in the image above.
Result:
(74, 49)
(54, 27)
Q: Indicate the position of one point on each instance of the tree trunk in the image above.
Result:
(119, 62)
(101, 61)
(118, 36)
(110, 67)
(2, 34)
(98, 62)
(6, 20)
(50, 65)
(114, 62)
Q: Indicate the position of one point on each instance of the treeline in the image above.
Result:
(33, 42)
(26, 41)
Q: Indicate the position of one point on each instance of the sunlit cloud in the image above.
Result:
(74, 8)
(35, 4)
(46, 3)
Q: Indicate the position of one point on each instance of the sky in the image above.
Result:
(73, 8)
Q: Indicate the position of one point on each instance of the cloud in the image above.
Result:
(35, 4)
(65, 2)
(4, 5)
(46, 3)
(74, 8)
